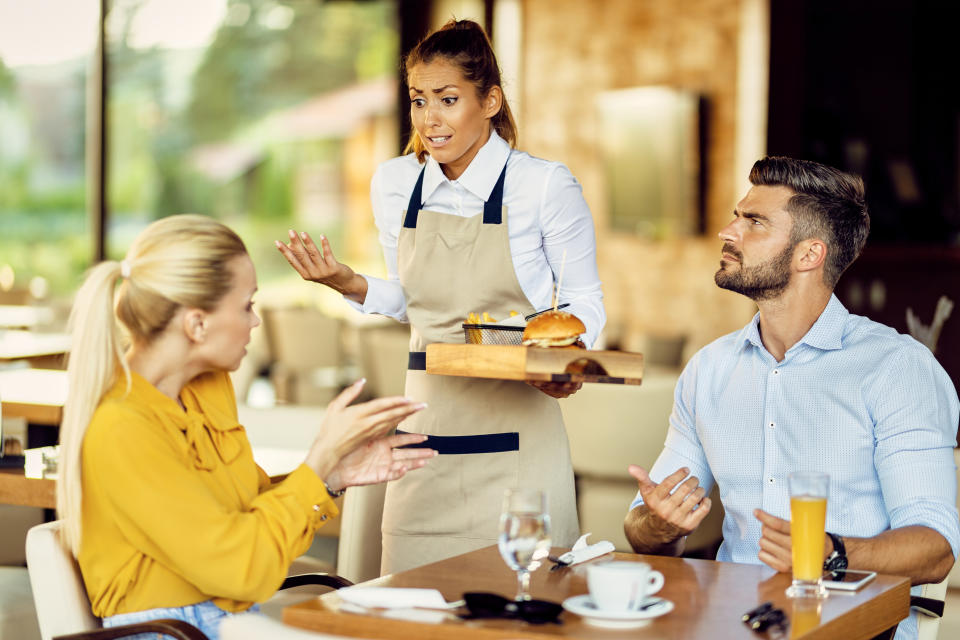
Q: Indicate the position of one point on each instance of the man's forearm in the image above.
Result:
(644, 538)
(918, 552)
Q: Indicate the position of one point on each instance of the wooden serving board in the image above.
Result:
(533, 363)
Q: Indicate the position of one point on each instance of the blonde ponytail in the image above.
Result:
(178, 261)
(96, 354)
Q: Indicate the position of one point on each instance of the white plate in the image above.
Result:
(583, 606)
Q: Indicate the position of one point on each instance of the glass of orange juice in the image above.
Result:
(808, 514)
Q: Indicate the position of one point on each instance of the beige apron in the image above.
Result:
(449, 266)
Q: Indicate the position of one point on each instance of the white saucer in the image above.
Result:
(583, 606)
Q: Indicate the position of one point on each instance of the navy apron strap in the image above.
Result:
(493, 207)
(416, 199)
(481, 443)
(417, 360)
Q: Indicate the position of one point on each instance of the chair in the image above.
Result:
(929, 605)
(383, 349)
(63, 609)
(307, 353)
(613, 426)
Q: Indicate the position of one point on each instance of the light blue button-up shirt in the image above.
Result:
(853, 398)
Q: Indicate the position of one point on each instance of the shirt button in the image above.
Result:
(770, 480)
(323, 518)
(316, 507)
(776, 372)
(772, 425)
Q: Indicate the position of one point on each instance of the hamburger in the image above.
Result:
(553, 329)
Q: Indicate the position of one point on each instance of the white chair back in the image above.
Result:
(928, 619)
(58, 591)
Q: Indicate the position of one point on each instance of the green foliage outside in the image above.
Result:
(167, 106)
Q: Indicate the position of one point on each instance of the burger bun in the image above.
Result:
(553, 329)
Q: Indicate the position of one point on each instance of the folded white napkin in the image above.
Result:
(581, 551)
(393, 597)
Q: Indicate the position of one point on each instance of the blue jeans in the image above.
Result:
(205, 616)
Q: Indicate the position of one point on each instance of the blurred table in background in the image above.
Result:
(42, 350)
(38, 395)
(17, 316)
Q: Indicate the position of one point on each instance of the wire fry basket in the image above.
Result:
(492, 334)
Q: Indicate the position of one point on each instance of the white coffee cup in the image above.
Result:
(622, 586)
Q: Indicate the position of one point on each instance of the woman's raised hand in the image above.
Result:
(322, 266)
(346, 426)
(379, 460)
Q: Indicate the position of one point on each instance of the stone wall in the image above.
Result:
(572, 51)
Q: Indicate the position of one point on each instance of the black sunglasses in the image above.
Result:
(764, 617)
(491, 605)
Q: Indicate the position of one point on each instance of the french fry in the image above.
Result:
(487, 319)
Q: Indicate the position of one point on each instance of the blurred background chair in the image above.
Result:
(307, 364)
(610, 427)
(383, 346)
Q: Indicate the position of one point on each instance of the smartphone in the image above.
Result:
(847, 579)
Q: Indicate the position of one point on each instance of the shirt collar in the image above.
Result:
(826, 333)
(481, 175)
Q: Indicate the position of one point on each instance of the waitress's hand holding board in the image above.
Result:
(322, 266)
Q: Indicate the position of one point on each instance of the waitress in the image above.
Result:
(468, 223)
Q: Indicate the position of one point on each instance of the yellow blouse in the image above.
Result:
(175, 510)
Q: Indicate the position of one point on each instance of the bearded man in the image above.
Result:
(807, 386)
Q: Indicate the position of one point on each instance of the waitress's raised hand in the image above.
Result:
(321, 266)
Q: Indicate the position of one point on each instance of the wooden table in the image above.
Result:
(29, 492)
(35, 394)
(709, 597)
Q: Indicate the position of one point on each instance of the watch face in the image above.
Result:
(835, 562)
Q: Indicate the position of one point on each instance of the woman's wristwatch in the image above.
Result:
(837, 560)
(334, 494)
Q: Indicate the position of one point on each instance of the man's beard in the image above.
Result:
(761, 282)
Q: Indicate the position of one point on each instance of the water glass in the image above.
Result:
(524, 539)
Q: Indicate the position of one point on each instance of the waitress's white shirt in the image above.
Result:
(546, 214)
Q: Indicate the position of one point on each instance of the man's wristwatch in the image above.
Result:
(837, 560)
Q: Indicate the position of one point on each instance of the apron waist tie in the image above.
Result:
(417, 360)
(481, 443)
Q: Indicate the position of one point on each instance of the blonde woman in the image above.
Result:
(163, 505)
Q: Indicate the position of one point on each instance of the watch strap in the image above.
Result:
(838, 557)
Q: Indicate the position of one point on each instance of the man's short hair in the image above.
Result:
(828, 204)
